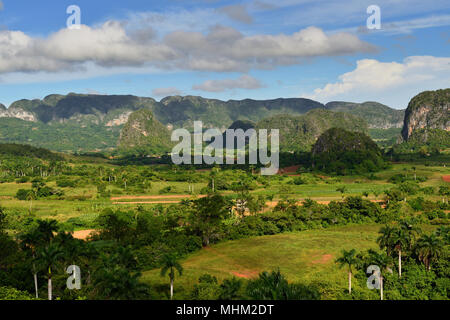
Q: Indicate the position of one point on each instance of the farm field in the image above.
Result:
(298, 223)
(307, 257)
(84, 201)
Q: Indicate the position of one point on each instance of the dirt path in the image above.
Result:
(83, 234)
(300, 202)
(173, 196)
(291, 169)
(148, 202)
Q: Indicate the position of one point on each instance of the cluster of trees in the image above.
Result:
(37, 259)
(128, 242)
(421, 260)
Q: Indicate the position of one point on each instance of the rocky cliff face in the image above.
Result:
(142, 131)
(427, 110)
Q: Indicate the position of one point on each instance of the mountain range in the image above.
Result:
(80, 122)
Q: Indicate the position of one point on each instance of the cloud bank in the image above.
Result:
(220, 49)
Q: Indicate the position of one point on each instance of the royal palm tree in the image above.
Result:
(385, 238)
(170, 263)
(31, 240)
(47, 229)
(429, 249)
(48, 258)
(401, 240)
(348, 259)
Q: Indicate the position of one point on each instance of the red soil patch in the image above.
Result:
(324, 259)
(242, 273)
(246, 274)
(446, 178)
(83, 234)
(147, 202)
(291, 169)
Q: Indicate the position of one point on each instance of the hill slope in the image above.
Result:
(377, 115)
(299, 133)
(312, 263)
(144, 134)
(342, 152)
(80, 122)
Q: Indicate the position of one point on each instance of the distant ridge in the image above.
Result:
(377, 115)
(86, 122)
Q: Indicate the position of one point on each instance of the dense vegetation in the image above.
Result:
(37, 243)
(144, 135)
(80, 122)
(300, 133)
(344, 152)
(425, 142)
(376, 114)
(153, 230)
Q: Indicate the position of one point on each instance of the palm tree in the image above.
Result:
(348, 259)
(31, 240)
(385, 238)
(429, 249)
(48, 259)
(170, 263)
(401, 240)
(47, 229)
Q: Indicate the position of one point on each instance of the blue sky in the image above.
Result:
(258, 49)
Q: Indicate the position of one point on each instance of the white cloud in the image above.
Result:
(221, 49)
(237, 12)
(243, 82)
(164, 92)
(226, 49)
(388, 81)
